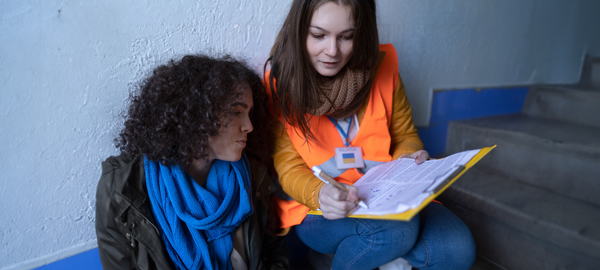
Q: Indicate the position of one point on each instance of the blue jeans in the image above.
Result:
(435, 239)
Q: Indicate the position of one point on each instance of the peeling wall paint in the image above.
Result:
(66, 68)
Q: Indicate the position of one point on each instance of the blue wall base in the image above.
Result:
(89, 260)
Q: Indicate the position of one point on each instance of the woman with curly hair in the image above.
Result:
(183, 194)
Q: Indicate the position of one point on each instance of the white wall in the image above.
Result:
(65, 72)
(66, 68)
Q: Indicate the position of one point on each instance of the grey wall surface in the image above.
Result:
(66, 68)
(461, 43)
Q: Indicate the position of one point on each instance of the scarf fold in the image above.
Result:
(196, 222)
(340, 96)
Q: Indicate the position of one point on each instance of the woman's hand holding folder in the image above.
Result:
(419, 156)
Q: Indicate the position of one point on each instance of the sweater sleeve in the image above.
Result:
(404, 137)
(296, 179)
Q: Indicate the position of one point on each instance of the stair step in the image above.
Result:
(554, 155)
(566, 103)
(503, 212)
(590, 74)
(483, 264)
(516, 250)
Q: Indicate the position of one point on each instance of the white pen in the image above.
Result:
(329, 180)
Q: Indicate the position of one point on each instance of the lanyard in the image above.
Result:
(345, 134)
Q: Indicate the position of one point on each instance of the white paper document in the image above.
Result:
(397, 186)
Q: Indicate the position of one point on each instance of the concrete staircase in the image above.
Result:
(534, 201)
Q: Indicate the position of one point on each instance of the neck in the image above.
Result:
(199, 169)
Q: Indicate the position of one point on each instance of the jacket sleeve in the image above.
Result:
(404, 137)
(112, 245)
(296, 179)
(274, 254)
(273, 245)
(278, 258)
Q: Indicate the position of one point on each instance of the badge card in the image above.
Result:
(349, 157)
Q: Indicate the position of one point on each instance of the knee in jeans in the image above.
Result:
(463, 255)
(469, 253)
(395, 237)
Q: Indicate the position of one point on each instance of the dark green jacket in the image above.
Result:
(129, 239)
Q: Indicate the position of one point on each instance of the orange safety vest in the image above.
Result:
(373, 136)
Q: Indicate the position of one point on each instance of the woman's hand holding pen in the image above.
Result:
(336, 203)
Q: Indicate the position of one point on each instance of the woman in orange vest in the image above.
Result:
(338, 92)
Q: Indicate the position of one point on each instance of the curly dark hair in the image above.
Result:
(174, 111)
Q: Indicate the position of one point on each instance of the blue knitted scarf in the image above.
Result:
(197, 223)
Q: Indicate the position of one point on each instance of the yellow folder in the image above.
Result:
(408, 214)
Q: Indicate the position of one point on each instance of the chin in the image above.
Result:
(328, 72)
(234, 158)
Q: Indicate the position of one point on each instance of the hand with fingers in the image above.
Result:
(336, 203)
(419, 156)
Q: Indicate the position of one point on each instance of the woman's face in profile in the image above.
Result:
(232, 137)
(330, 38)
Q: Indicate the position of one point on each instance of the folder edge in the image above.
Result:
(407, 215)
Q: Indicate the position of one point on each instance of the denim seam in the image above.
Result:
(367, 250)
(426, 251)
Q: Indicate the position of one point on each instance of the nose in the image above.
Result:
(332, 47)
(247, 125)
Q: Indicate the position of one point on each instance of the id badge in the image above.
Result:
(349, 157)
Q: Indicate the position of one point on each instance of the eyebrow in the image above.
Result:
(345, 31)
(238, 103)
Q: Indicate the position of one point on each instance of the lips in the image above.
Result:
(242, 142)
(329, 64)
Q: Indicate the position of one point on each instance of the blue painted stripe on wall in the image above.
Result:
(450, 105)
(89, 260)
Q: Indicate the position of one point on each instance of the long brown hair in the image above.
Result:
(292, 73)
